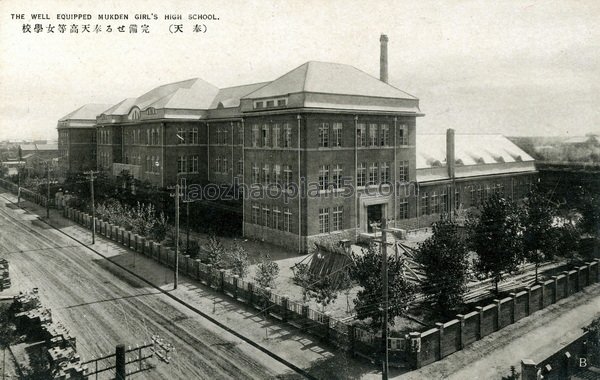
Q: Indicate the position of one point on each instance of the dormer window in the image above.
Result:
(151, 111)
(258, 105)
(270, 103)
(134, 114)
(281, 102)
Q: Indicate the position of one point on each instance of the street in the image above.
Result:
(102, 309)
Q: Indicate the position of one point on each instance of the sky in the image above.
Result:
(509, 67)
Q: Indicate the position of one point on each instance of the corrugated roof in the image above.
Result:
(230, 96)
(470, 149)
(38, 147)
(329, 78)
(86, 112)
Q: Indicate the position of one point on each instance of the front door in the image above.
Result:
(374, 215)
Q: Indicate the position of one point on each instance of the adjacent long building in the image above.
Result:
(322, 153)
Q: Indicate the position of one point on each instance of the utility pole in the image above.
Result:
(91, 174)
(47, 191)
(384, 270)
(176, 272)
(187, 225)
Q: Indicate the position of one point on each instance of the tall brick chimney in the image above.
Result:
(383, 59)
(450, 155)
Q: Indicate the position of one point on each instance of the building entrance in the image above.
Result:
(374, 215)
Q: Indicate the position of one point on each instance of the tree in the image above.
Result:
(568, 240)
(323, 291)
(237, 260)
(216, 250)
(366, 271)
(160, 227)
(266, 272)
(540, 236)
(143, 218)
(445, 263)
(590, 214)
(346, 284)
(495, 238)
(593, 342)
(304, 278)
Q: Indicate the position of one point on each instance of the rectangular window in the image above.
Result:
(266, 171)
(385, 172)
(270, 103)
(181, 164)
(337, 176)
(424, 205)
(361, 134)
(194, 161)
(217, 168)
(255, 135)
(225, 136)
(384, 135)
(473, 196)
(277, 173)
(276, 218)
(287, 136)
(323, 177)
(403, 208)
(276, 135)
(225, 166)
(287, 175)
(240, 167)
(281, 102)
(337, 134)
(218, 136)
(265, 135)
(255, 174)
(435, 203)
(402, 134)
(240, 133)
(373, 135)
(266, 216)
(361, 174)
(194, 135)
(324, 135)
(258, 104)
(255, 214)
(287, 220)
(444, 201)
(338, 213)
(457, 200)
(323, 220)
(403, 171)
(373, 174)
(181, 135)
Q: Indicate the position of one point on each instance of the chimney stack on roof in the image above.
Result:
(450, 155)
(383, 59)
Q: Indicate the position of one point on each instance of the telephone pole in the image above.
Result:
(384, 269)
(176, 272)
(47, 191)
(91, 173)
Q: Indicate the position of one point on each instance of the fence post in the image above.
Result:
(567, 284)
(236, 278)
(498, 314)
(555, 295)
(589, 273)
(514, 307)
(222, 280)
(415, 349)
(250, 293)
(480, 311)
(529, 299)
(284, 307)
(461, 319)
(326, 322)
(305, 317)
(120, 363)
(351, 338)
(528, 370)
(440, 327)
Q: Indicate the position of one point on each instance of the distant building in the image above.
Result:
(583, 141)
(77, 138)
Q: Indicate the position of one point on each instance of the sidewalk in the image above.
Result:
(300, 349)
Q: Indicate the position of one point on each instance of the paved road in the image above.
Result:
(102, 309)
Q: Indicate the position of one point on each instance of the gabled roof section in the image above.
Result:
(469, 149)
(329, 78)
(230, 96)
(121, 108)
(193, 93)
(86, 112)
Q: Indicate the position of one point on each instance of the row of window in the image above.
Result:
(187, 136)
(330, 219)
(152, 165)
(223, 134)
(271, 174)
(379, 135)
(272, 135)
(104, 159)
(272, 217)
(379, 173)
(279, 102)
(188, 164)
(222, 165)
(104, 136)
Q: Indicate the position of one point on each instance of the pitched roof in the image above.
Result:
(86, 112)
(230, 96)
(329, 78)
(193, 93)
(469, 149)
(38, 147)
(121, 108)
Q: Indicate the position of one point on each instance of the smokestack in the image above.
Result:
(450, 156)
(383, 59)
